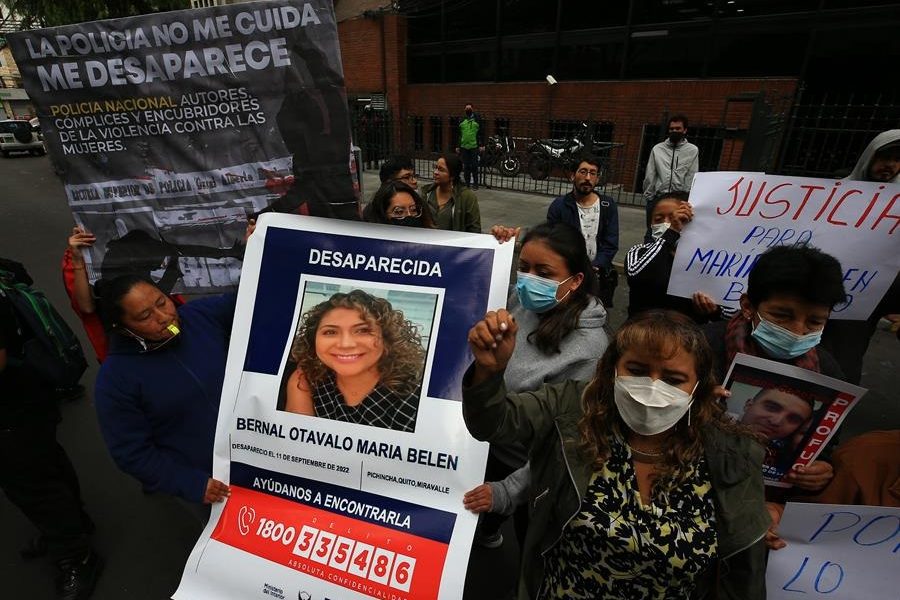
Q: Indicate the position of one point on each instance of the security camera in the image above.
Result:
(551, 79)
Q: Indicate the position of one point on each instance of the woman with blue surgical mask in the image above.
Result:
(790, 295)
(561, 333)
(641, 487)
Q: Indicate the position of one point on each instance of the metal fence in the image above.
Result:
(826, 133)
(812, 135)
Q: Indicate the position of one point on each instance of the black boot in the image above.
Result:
(77, 576)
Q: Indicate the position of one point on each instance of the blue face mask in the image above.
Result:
(782, 344)
(538, 294)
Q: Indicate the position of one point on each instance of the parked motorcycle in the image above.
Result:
(546, 154)
(500, 152)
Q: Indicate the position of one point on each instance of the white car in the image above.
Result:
(21, 136)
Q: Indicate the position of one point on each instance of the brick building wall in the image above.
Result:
(373, 48)
(628, 105)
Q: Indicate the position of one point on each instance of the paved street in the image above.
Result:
(145, 540)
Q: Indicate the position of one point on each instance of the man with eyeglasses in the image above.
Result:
(399, 167)
(596, 217)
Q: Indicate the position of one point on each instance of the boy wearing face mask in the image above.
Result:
(790, 295)
(672, 163)
(648, 266)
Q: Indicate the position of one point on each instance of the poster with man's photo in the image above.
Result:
(795, 412)
(168, 130)
(340, 429)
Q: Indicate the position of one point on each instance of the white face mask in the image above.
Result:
(658, 229)
(650, 406)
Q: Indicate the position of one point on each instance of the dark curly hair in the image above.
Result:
(663, 333)
(402, 361)
(376, 211)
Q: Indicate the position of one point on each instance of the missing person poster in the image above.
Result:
(168, 130)
(340, 429)
(794, 411)
(738, 216)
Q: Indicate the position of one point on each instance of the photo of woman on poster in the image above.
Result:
(357, 360)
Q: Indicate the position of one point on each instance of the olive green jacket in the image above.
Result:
(546, 421)
(465, 216)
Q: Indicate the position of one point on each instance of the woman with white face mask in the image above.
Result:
(649, 265)
(641, 486)
(561, 336)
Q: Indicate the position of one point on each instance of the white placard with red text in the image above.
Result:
(738, 216)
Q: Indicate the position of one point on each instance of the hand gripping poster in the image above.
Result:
(738, 216)
(168, 130)
(340, 429)
(795, 412)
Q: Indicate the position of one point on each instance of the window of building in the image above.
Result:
(528, 16)
(672, 11)
(472, 61)
(437, 133)
(773, 52)
(454, 131)
(598, 56)
(755, 8)
(425, 64)
(418, 125)
(470, 20)
(526, 58)
(590, 14)
(677, 53)
(423, 26)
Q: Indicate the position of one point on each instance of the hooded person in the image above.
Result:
(848, 341)
(880, 161)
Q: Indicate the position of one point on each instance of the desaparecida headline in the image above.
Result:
(133, 65)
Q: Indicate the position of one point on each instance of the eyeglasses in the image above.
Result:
(409, 177)
(590, 172)
(398, 212)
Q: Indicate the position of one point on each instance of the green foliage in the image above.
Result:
(49, 13)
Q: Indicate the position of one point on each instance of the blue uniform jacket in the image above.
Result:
(158, 410)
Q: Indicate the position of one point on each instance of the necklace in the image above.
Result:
(653, 456)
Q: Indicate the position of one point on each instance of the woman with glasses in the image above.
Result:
(455, 207)
(396, 203)
(641, 486)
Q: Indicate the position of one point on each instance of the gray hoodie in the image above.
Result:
(671, 168)
(529, 368)
(860, 172)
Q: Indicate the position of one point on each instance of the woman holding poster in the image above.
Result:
(642, 486)
(158, 391)
(358, 360)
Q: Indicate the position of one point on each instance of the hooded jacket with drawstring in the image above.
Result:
(671, 167)
(860, 172)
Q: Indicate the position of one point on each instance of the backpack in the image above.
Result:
(49, 346)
